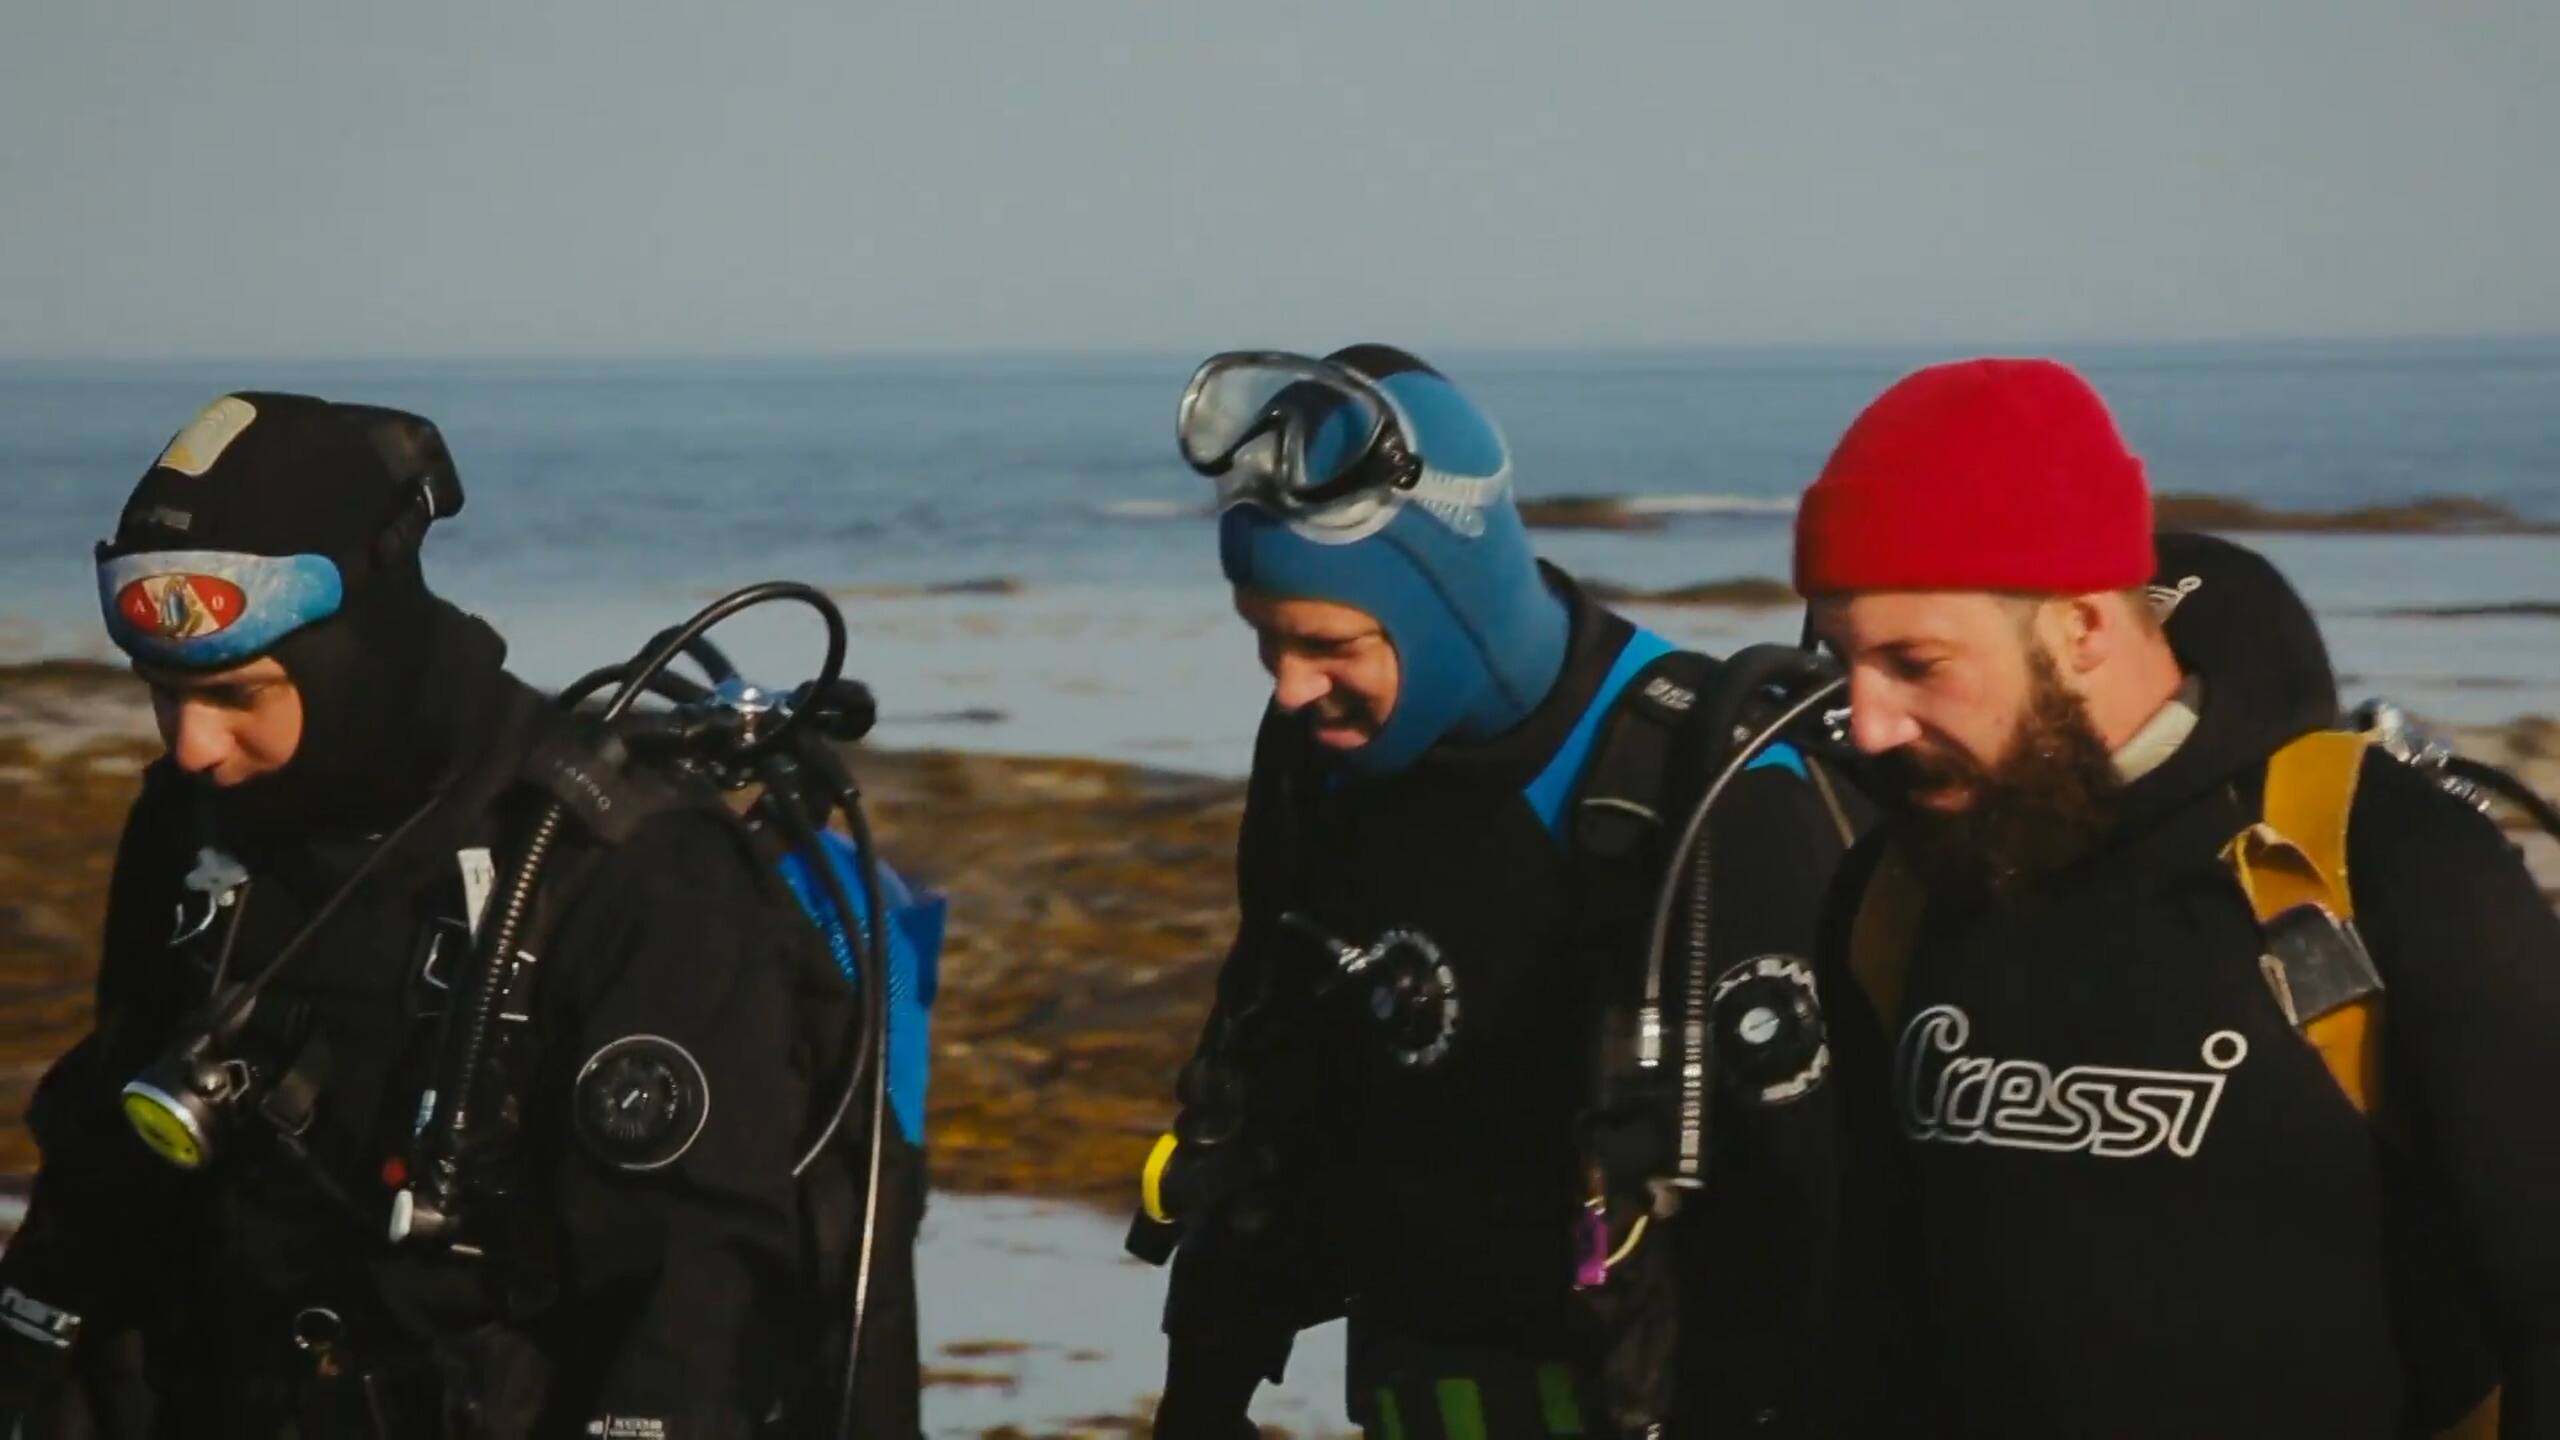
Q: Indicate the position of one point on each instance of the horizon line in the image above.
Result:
(946, 354)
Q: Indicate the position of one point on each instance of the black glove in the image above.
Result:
(1208, 1384)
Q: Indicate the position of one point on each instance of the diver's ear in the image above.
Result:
(2085, 631)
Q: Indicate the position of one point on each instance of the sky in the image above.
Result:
(345, 178)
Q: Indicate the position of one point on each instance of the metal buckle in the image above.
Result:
(433, 949)
(2316, 963)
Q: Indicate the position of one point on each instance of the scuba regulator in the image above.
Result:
(1412, 990)
(1409, 994)
(187, 1102)
(2476, 783)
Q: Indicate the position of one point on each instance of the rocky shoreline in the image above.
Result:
(1091, 902)
(2172, 510)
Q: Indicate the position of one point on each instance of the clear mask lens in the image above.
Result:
(1277, 426)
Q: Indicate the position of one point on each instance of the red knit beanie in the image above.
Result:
(1978, 475)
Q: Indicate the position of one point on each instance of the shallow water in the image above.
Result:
(1164, 675)
(609, 499)
(1072, 1322)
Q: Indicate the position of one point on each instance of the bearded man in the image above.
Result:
(2135, 1182)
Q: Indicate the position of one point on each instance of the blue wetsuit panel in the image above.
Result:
(1546, 794)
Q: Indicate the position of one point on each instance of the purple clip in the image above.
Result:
(1591, 1241)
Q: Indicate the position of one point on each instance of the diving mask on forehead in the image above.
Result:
(1310, 440)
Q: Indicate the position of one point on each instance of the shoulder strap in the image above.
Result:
(1880, 937)
(607, 795)
(2296, 854)
(2292, 866)
(1621, 811)
(1647, 684)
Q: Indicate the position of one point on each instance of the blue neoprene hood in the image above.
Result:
(1479, 638)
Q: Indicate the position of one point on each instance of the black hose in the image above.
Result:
(2508, 788)
(1693, 843)
(713, 660)
(677, 641)
(1749, 749)
(1690, 1158)
(681, 689)
(867, 929)
(871, 1167)
(479, 1014)
(1747, 673)
(876, 1001)
(789, 804)
(248, 991)
(231, 935)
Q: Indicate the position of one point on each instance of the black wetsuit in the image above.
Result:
(684, 1301)
(1436, 1203)
(2128, 1198)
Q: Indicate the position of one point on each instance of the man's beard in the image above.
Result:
(2042, 806)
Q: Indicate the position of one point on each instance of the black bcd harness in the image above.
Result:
(1683, 719)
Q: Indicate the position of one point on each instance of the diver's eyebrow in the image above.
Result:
(180, 682)
(1907, 645)
(1328, 637)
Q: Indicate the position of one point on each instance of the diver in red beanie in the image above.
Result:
(2212, 1052)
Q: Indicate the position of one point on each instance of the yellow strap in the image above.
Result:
(1635, 1237)
(2311, 790)
(2297, 855)
(1151, 1179)
(2480, 1424)
(1881, 936)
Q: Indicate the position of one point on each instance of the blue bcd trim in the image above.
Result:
(1547, 793)
(915, 973)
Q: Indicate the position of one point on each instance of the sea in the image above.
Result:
(1026, 566)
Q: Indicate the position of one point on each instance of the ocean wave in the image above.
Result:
(1150, 509)
(1710, 503)
(2500, 610)
(1597, 511)
(974, 585)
